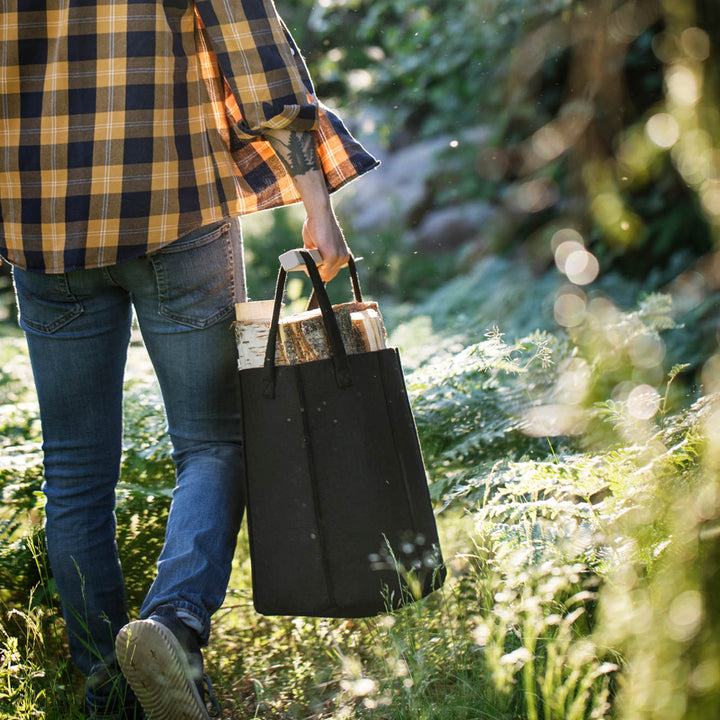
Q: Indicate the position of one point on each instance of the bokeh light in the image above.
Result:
(572, 258)
(711, 375)
(695, 43)
(663, 130)
(684, 85)
(570, 307)
(643, 402)
(554, 420)
(574, 380)
(534, 195)
(565, 250)
(566, 234)
(685, 615)
(581, 267)
(646, 351)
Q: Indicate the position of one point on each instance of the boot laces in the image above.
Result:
(209, 698)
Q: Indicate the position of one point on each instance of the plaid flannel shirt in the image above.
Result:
(125, 124)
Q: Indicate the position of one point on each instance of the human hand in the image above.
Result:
(322, 232)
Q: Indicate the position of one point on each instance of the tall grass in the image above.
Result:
(581, 566)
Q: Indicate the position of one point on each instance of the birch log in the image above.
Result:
(304, 339)
(252, 327)
(302, 336)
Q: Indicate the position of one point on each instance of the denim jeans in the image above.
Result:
(78, 328)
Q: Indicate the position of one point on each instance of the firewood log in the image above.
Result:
(302, 336)
(252, 327)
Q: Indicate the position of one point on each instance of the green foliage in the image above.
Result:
(535, 634)
(425, 67)
(570, 91)
(532, 525)
(20, 476)
(35, 680)
(515, 633)
(469, 409)
(659, 606)
(531, 530)
(7, 299)
(575, 469)
(267, 235)
(145, 488)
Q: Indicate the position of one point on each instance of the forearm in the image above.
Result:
(298, 152)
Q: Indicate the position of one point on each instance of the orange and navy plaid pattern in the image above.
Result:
(124, 124)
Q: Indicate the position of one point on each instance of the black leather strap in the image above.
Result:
(337, 347)
(357, 292)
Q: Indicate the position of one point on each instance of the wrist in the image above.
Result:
(313, 193)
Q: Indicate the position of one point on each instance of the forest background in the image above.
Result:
(542, 237)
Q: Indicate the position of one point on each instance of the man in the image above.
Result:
(134, 133)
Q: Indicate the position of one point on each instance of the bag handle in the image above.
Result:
(337, 347)
(357, 292)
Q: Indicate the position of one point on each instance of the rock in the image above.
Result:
(448, 228)
(400, 190)
(387, 196)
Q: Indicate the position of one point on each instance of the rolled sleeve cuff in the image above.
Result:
(276, 116)
(247, 48)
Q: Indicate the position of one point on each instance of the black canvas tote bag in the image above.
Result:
(339, 514)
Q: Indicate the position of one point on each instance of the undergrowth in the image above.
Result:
(558, 512)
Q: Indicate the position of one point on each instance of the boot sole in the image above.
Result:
(154, 663)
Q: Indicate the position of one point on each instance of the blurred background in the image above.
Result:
(560, 136)
(559, 139)
(542, 237)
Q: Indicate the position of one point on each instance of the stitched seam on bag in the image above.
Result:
(381, 355)
(315, 494)
(438, 575)
(408, 495)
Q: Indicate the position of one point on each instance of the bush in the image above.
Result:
(532, 527)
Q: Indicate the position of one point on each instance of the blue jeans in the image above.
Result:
(78, 326)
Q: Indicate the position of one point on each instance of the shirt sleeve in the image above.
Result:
(261, 65)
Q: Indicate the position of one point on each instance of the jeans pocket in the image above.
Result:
(45, 302)
(194, 277)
